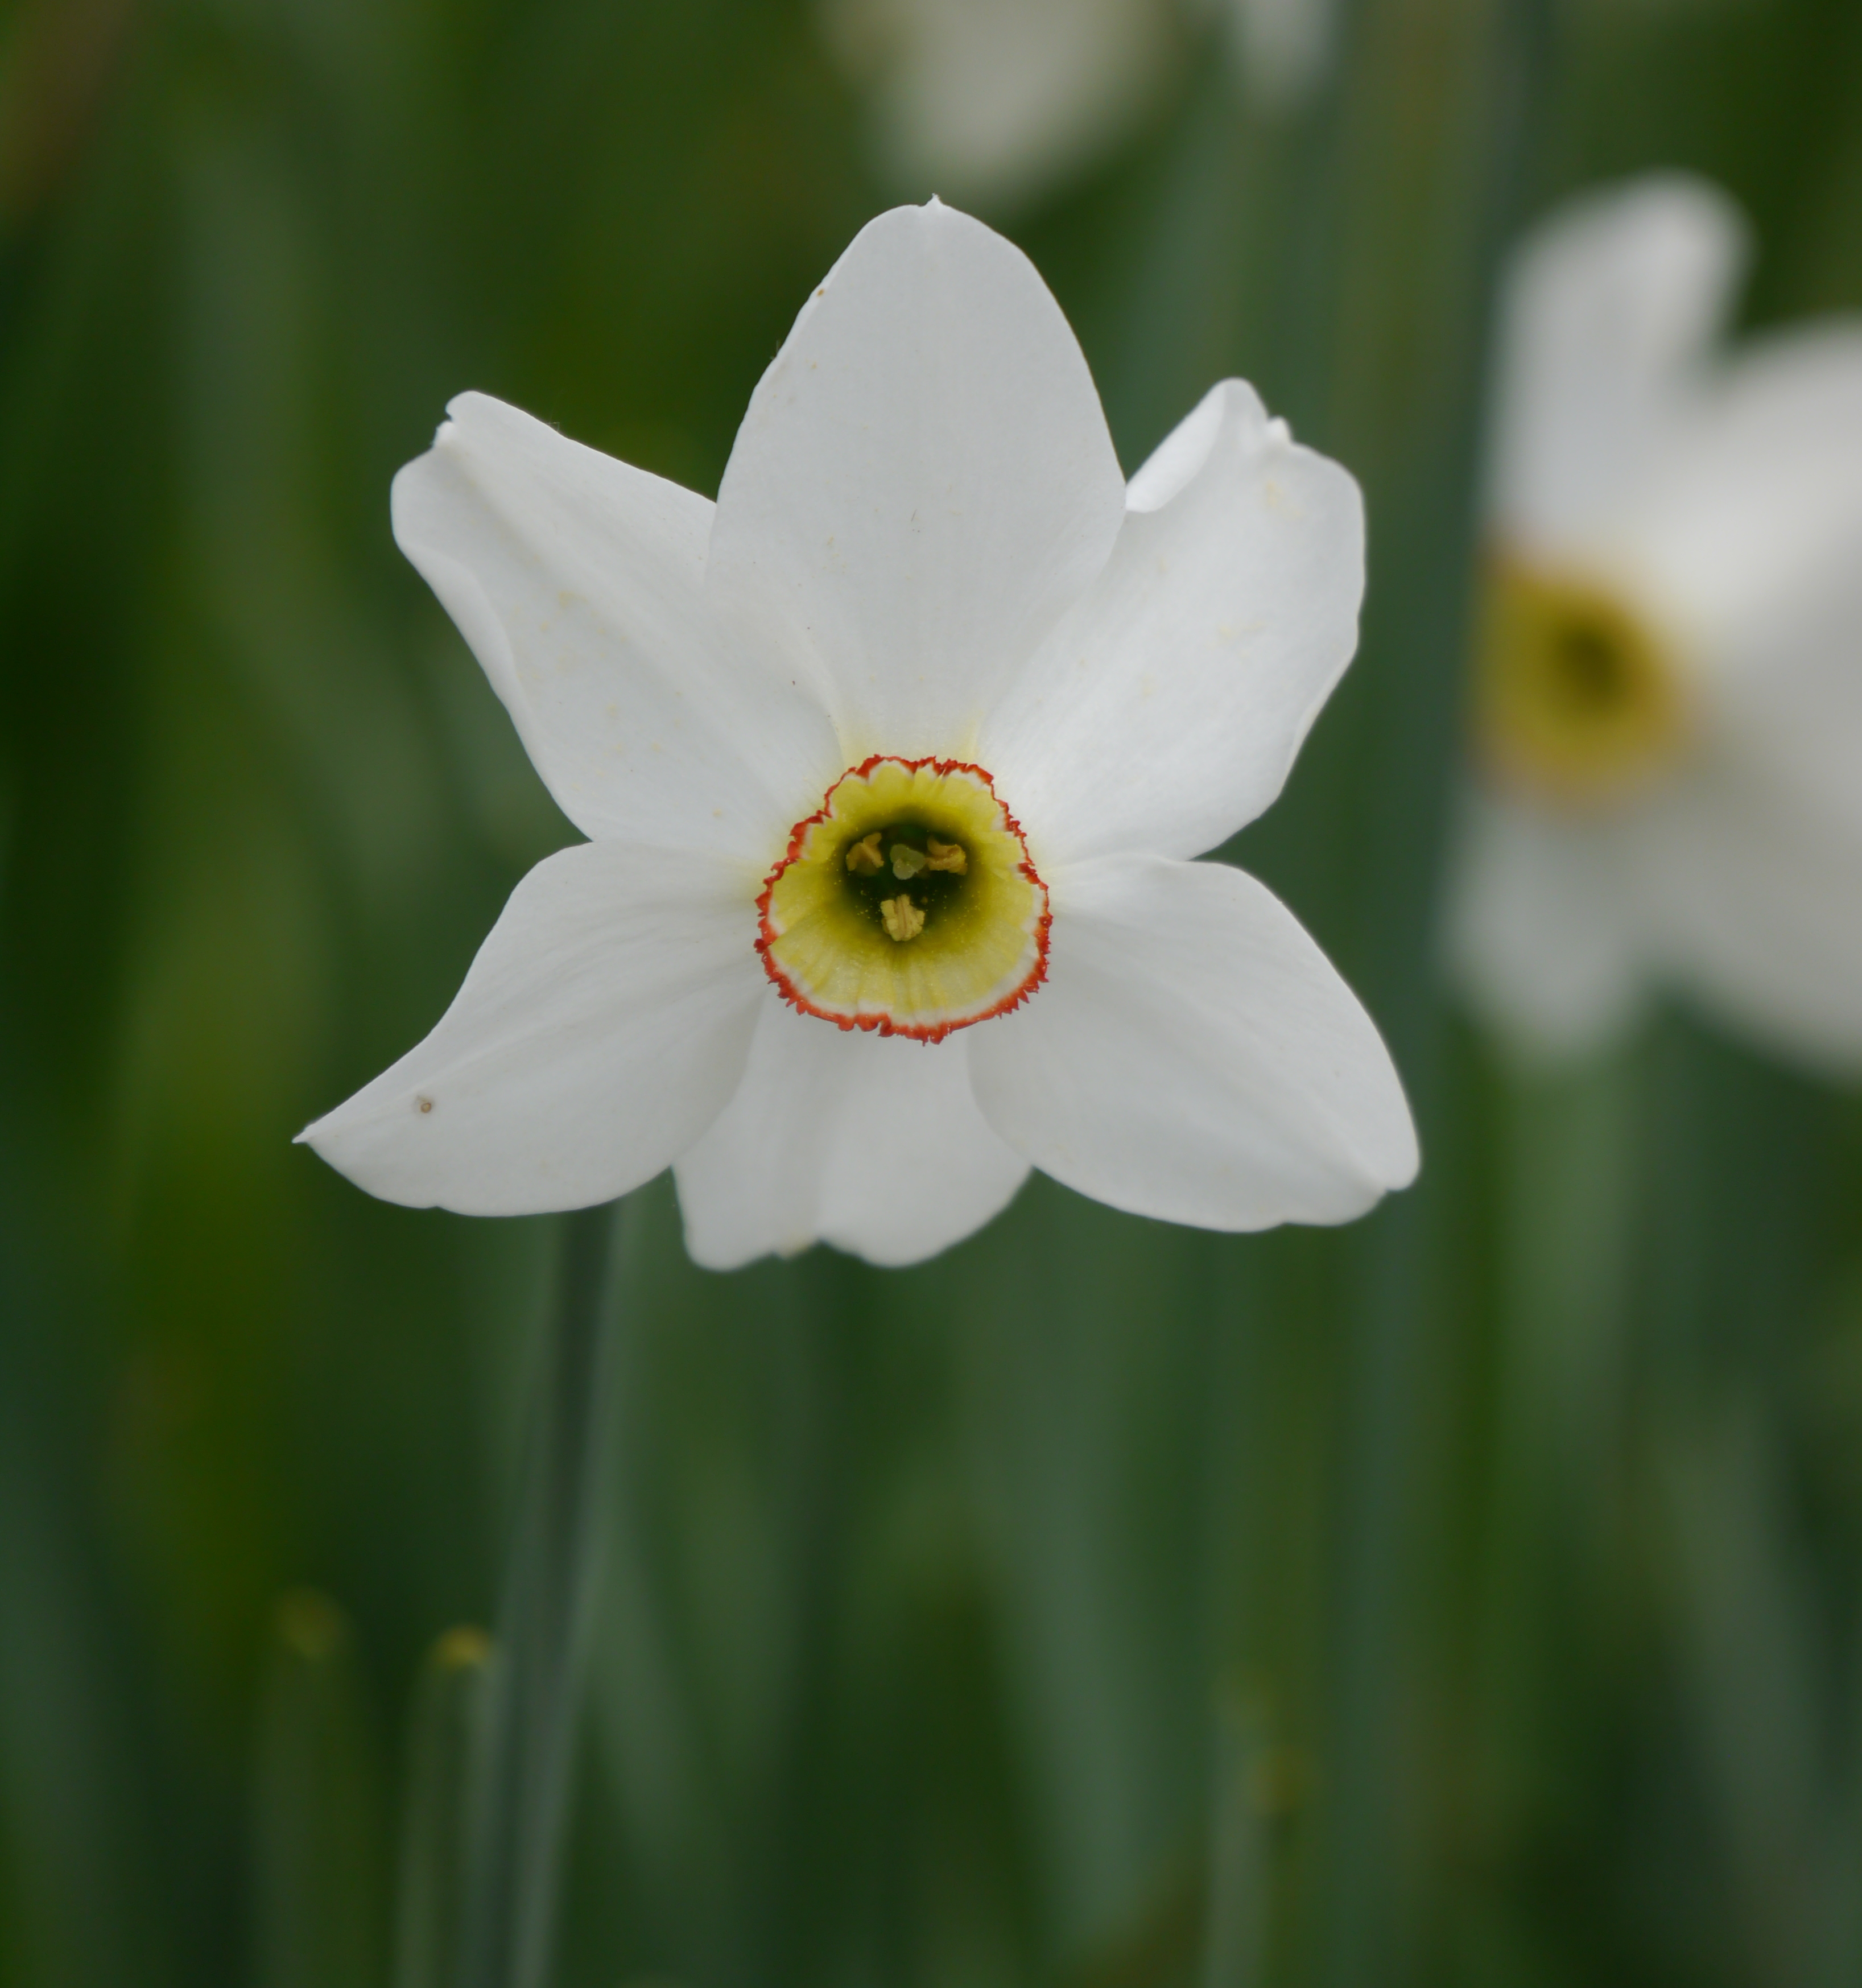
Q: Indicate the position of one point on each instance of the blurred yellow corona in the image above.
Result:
(1578, 700)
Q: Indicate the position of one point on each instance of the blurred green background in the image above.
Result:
(1471, 1597)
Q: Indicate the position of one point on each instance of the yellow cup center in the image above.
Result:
(1577, 699)
(907, 903)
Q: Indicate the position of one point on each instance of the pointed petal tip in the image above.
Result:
(1231, 412)
(1386, 1151)
(706, 1252)
(921, 217)
(1675, 199)
(318, 1134)
(873, 1145)
(1404, 1172)
(471, 401)
(1652, 219)
(1197, 1059)
(858, 528)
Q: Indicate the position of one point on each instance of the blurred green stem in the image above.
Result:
(316, 1835)
(1458, 220)
(443, 1738)
(1567, 1225)
(523, 1784)
(1240, 1895)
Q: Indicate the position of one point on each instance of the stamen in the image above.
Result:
(907, 862)
(944, 856)
(864, 859)
(901, 917)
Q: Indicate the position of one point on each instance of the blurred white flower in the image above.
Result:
(890, 761)
(1668, 695)
(1284, 47)
(998, 99)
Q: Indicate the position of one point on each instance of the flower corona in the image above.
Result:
(906, 904)
(1577, 698)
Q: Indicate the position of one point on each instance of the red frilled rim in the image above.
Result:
(919, 1032)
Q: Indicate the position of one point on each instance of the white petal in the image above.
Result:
(1752, 539)
(1165, 710)
(578, 583)
(1756, 910)
(873, 1144)
(1796, 717)
(923, 483)
(1542, 927)
(1757, 511)
(1606, 317)
(1194, 1055)
(603, 1024)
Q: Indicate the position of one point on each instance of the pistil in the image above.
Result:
(901, 917)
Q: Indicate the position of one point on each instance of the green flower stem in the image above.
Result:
(316, 1819)
(448, 1716)
(1554, 1509)
(534, 1687)
(1491, 98)
(1237, 1938)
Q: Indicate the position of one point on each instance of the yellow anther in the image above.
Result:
(901, 917)
(907, 862)
(943, 856)
(864, 859)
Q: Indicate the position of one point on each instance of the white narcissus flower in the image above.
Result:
(1668, 688)
(1000, 99)
(1284, 47)
(890, 763)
